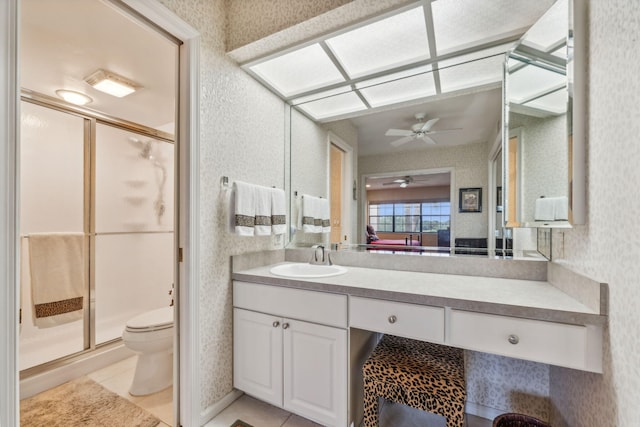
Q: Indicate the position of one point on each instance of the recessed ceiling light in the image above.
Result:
(111, 83)
(74, 97)
(368, 185)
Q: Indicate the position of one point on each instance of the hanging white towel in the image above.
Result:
(325, 215)
(308, 214)
(317, 216)
(544, 209)
(561, 208)
(57, 264)
(552, 209)
(278, 211)
(263, 211)
(244, 208)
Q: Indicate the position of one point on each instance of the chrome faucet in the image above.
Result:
(320, 256)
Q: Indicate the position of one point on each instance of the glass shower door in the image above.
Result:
(52, 201)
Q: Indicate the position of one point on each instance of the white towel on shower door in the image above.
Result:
(57, 267)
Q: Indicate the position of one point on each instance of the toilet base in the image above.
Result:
(154, 372)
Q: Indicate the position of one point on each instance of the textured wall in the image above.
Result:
(508, 385)
(608, 248)
(544, 168)
(232, 106)
(251, 20)
(470, 163)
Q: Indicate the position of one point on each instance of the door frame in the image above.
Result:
(187, 394)
(348, 190)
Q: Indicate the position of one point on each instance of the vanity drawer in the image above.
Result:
(547, 342)
(317, 307)
(420, 322)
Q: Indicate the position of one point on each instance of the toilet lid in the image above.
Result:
(161, 317)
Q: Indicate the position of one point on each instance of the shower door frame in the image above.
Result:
(187, 395)
(90, 121)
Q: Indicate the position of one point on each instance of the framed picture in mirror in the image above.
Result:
(470, 200)
(498, 199)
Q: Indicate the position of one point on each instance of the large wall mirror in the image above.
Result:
(397, 123)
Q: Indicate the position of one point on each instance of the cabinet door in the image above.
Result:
(315, 372)
(257, 355)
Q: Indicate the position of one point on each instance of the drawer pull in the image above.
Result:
(285, 326)
(392, 318)
(276, 323)
(513, 339)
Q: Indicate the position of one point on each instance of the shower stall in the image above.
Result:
(112, 183)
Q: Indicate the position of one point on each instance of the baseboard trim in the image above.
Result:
(482, 411)
(211, 411)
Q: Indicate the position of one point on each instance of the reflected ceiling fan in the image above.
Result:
(421, 130)
(404, 181)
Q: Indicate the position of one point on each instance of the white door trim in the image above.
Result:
(347, 190)
(8, 219)
(187, 400)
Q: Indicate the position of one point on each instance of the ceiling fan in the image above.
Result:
(420, 130)
(404, 181)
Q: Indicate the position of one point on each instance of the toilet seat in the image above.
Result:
(155, 320)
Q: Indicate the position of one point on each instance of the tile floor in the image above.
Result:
(260, 414)
(117, 378)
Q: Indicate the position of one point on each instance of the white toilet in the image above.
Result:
(151, 335)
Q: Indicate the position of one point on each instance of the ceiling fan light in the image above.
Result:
(403, 185)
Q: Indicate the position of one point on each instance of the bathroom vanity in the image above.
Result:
(299, 343)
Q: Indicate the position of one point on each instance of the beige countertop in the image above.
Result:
(530, 299)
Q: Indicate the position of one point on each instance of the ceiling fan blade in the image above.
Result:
(428, 139)
(399, 142)
(399, 132)
(429, 124)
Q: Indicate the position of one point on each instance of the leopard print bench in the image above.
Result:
(418, 374)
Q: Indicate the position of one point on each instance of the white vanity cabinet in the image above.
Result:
(290, 350)
(573, 346)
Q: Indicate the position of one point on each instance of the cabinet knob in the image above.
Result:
(285, 326)
(513, 339)
(276, 323)
(392, 318)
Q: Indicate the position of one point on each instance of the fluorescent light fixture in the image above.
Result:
(111, 83)
(74, 97)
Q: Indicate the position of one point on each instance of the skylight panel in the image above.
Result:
(530, 82)
(395, 41)
(299, 71)
(551, 29)
(331, 103)
(467, 71)
(399, 87)
(555, 102)
(460, 23)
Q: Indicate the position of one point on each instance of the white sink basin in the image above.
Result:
(307, 270)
